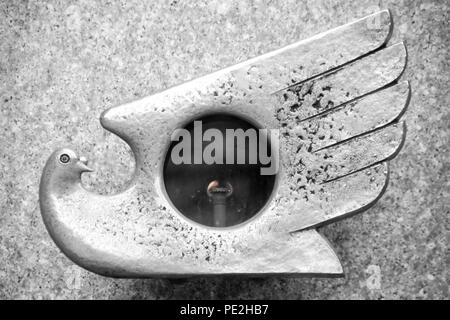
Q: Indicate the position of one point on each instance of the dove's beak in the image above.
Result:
(83, 165)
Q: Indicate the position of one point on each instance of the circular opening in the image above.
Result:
(212, 170)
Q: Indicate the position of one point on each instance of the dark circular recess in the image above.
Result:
(189, 185)
(64, 158)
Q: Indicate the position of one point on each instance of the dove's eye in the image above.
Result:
(64, 158)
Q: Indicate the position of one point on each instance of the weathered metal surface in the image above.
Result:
(338, 132)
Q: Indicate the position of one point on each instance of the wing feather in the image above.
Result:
(314, 56)
(314, 97)
(340, 199)
(359, 117)
(360, 153)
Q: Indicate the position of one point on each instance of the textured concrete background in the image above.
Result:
(63, 63)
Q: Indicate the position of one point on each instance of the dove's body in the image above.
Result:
(92, 230)
(337, 129)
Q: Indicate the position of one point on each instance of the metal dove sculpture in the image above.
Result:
(336, 101)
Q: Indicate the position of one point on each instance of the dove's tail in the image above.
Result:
(304, 253)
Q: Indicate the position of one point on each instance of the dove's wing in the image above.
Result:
(344, 126)
(334, 97)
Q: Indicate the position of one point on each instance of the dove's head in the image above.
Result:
(64, 167)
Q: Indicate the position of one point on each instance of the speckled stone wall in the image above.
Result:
(62, 63)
